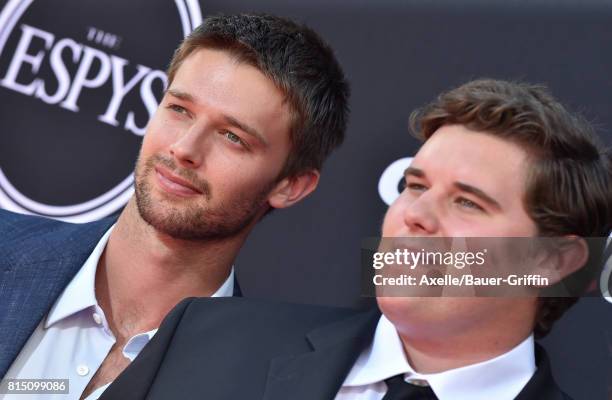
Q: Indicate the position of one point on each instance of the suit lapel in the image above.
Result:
(237, 289)
(35, 272)
(319, 374)
(135, 382)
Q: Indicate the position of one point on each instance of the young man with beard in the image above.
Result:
(254, 105)
(500, 160)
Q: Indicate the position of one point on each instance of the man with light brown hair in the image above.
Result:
(564, 187)
(254, 105)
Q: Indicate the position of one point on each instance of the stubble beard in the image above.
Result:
(193, 219)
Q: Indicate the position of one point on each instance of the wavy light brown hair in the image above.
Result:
(569, 185)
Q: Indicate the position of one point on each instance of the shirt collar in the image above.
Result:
(136, 343)
(500, 377)
(227, 289)
(383, 359)
(81, 294)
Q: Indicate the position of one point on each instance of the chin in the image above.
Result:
(424, 315)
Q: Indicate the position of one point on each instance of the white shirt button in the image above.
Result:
(97, 318)
(82, 370)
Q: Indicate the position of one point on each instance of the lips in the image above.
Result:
(174, 184)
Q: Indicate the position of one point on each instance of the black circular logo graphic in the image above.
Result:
(78, 82)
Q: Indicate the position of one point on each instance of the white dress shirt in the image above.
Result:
(500, 378)
(74, 338)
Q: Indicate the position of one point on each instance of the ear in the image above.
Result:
(292, 189)
(566, 257)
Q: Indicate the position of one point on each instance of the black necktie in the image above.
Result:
(399, 389)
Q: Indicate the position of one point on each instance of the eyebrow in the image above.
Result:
(478, 193)
(419, 173)
(228, 119)
(243, 127)
(181, 95)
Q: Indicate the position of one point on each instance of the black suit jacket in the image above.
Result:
(234, 349)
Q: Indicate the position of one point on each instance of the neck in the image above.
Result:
(443, 348)
(144, 273)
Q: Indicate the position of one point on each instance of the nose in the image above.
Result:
(421, 216)
(189, 147)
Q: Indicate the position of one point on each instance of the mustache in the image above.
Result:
(201, 184)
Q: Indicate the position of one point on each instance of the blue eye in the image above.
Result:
(469, 204)
(232, 137)
(177, 109)
(417, 187)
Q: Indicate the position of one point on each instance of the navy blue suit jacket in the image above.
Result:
(38, 258)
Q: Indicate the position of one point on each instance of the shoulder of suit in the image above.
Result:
(19, 226)
(19, 230)
(263, 306)
(269, 313)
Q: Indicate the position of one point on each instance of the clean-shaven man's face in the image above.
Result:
(461, 183)
(213, 150)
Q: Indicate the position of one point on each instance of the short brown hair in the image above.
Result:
(301, 65)
(564, 154)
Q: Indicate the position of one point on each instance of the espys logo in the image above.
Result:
(389, 187)
(391, 180)
(77, 89)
